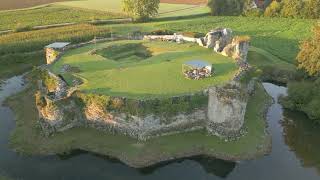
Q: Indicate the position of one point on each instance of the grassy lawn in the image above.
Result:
(159, 75)
(27, 139)
(51, 14)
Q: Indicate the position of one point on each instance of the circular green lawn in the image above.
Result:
(142, 69)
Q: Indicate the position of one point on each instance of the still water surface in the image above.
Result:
(295, 154)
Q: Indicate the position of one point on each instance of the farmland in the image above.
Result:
(165, 10)
(18, 4)
(51, 14)
(83, 11)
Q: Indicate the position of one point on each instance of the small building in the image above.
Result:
(54, 50)
(197, 69)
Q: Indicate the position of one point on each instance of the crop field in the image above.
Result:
(18, 4)
(145, 69)
(114, 6)
(51, 14)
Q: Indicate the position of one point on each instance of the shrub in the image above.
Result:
(40, 100)
(273, 10)
(256, 12)
(193, 34)
(309, 55)
(20, 28)
(292, 8)
(225, 7)
(162, 32)
(141, 10)
(312, 9)
(304, 96)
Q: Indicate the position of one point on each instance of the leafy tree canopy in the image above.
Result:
(141, 10)
(309, 55)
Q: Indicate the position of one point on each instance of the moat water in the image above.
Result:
(295, 154)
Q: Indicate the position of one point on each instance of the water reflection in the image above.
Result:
(216, 167)
(302, 137)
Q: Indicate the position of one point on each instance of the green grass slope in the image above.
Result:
(159, 75)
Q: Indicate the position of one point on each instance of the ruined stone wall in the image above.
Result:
(223, 115)
(226, 109)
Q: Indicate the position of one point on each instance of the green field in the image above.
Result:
(51, 14)
(115, 6)
(125, 74)
(82, 11)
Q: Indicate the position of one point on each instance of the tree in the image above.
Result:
(141, 10)
(292, 8)
(312, 9)
(309, 55)
(226, 7)
(273, 10)
(216, 7)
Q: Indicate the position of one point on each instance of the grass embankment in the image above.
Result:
(19, 52)
(51, 14)
(27, 138)
(124, 73)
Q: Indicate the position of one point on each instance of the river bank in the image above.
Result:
(27, 138)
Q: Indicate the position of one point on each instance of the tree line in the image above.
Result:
(271, 8)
